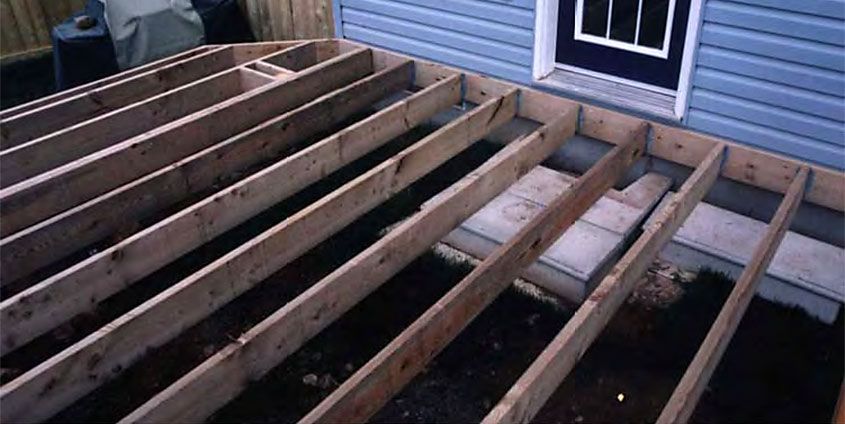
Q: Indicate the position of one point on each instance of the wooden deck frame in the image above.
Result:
(57, 206)
(681, 405)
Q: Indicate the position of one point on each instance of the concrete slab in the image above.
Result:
(582, 255)
(805, 272)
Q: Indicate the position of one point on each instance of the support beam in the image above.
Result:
(49, 193)
(366, 391)
(52, 302)
(92, 221)
(532, 390)
(686, 395)
(223, 376)
(61, 380)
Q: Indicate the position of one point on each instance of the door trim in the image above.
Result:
(545, 43)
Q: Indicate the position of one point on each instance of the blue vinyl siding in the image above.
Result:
(494, 37)
(771, 73)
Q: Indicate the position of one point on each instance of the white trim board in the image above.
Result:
(545, 42)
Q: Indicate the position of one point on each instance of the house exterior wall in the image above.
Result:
(769, 73)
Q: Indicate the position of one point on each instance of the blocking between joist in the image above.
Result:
(681, 405)
(366, 391)
(49, 193)
(530, 392)
(158, 320)
(58, 298)
(224, 375)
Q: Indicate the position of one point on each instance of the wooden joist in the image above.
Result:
(65, 94)
(31, 124)
(61, 235)
(681, 405)
(234, 120)
(47, 194)
(388, 372)
(42, 154)
(224, 375)
(534, 387)
(82, 287)
(84, 366)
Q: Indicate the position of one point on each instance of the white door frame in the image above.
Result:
(545, 43)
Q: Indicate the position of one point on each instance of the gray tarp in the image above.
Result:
(146, 30)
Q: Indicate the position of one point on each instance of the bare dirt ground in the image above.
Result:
(781, 367)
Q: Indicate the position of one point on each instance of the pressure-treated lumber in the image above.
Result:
(745, 164)
(530, 392)
(50, 303)
(65, 94)
(84, 102)
(681, 405)
(366, 391)
(49, 193)
(42, 154)
(220, 378)
(37, 122)
(77, 370)
(65, 233)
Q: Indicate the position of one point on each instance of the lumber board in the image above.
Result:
(51, 302)
(42, 154)
(682, 403)
(52, 117)
(223, 376)
(49, 193)
(59, 236)
(745, 164)
(839, 409)
(64, 94)
(530, 392)
(113, 87)
(59, 381)
(366, 391)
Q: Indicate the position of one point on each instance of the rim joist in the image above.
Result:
(199, 143)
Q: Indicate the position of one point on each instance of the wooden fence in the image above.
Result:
(290, 19)
(25, 24)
